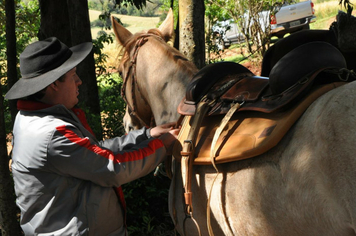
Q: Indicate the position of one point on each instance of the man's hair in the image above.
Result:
(40, 94)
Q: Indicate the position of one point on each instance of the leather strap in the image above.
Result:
(188, 157)
(217, 134)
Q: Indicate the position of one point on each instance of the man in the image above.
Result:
(67, 182)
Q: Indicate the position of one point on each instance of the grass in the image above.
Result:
(133, 23)
(326, 13)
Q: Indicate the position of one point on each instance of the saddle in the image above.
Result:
(231, 114)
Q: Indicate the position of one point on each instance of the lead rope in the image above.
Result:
(217, 134)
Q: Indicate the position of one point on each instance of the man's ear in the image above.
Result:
(53, 86)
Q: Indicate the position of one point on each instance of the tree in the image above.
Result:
(252, 18)
(213, 15)
(192, 31)
(8, 210)
(11, 50)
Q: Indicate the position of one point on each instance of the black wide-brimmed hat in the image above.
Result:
(43, 62)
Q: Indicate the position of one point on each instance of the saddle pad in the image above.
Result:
(247, 134)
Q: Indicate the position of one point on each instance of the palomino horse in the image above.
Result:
(306, 185)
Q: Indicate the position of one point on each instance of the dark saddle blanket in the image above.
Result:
(268, 106)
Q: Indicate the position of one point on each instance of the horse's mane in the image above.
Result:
(169, 51)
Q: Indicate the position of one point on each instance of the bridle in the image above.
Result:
(132, 108)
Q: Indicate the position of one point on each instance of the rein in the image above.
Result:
(132, 109)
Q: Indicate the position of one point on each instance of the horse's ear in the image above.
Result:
(167, 26)
(121, 33)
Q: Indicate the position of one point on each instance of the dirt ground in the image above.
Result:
(253, 67)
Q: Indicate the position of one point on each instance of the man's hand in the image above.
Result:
(167, 133)
(157, 131)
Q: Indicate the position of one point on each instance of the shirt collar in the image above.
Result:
(25, 105)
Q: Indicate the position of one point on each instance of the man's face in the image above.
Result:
(68, 90)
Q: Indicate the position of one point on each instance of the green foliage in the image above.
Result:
(166, 5)
(147, 213)
(251, 23)
(139, 4)
(213, 14)
(111, 104)
(109, 84)
(27, 25)
(148, 9)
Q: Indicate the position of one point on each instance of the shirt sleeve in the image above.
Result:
(115, 162)
(127, 141)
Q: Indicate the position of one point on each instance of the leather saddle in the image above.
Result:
(290, 79)
(264, 108)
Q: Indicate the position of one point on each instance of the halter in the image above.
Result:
(132, 68)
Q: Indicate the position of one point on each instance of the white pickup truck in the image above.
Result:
(292, 18)
(283, 19)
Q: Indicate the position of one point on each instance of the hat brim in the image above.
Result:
(26, 87)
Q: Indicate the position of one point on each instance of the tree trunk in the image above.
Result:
(68, 20)
(55, 21)
(8, 209)
(11, 52)
(192, 31)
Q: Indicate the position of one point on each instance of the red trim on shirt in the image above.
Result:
(118, 158)
(81, 115)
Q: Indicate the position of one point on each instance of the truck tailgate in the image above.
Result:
(294, 12)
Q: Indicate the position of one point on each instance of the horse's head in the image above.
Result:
(154, 74)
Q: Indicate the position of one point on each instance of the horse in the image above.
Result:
(305, 185)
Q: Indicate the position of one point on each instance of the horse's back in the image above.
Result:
(303, 186)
